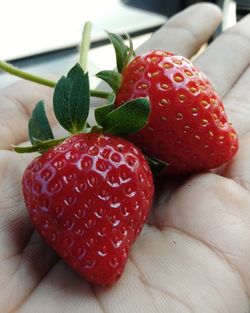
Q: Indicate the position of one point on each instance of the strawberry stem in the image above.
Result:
(6, 67)
(85, 44)
(99, 94)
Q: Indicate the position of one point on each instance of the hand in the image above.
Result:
(194, 255)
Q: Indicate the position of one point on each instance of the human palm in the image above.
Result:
(193, 255)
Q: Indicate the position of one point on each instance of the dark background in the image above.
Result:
(167, 7)
(170, 7)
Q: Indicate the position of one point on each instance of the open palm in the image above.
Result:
(194, 254)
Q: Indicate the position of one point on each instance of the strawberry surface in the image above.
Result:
(188, 127)
(89, 198)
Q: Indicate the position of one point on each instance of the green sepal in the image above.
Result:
(130, 50)
(40, 146)
(123, 52)
(101, 112)
(71, 99)
(128, 118)
(111, 98)
(157, 166)
(39, 128)
(112, 78)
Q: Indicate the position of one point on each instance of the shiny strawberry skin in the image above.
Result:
(89, 198)
(188, 127)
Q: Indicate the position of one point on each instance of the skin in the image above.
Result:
(193, 255)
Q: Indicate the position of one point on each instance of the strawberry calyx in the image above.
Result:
(112, 78)
(71, 103)
(126, 119)
(40, 146)
(124, 54)
(71, 100)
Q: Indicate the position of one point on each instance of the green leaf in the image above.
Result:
(39, 146)
(128, 118)
(71, 100)
(39, 128)
(112, 78)
(130, 52)
(111, 98)
(156, 165)
(101, 112)
(29, 149)
(121, 50)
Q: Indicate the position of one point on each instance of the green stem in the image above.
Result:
(85, 44)
(17, 72)
(99, 94)
(6, 67)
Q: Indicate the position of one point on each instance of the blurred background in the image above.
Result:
(42, 36)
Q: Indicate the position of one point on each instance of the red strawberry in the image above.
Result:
(188, 127)
(89, 198)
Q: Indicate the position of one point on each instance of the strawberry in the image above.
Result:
(89, 194)
(89, 198)
(188, 123)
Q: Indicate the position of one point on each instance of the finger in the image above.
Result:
(227, 57)
(187, 31)
(17, 103)
(237, 104)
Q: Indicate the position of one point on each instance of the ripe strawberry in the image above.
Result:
(188, 127)
(89, 198)
(88, 195)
